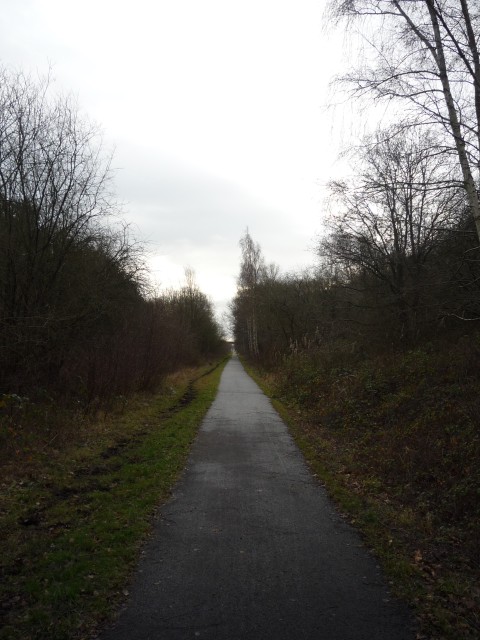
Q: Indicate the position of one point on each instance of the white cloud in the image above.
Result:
(215, 110)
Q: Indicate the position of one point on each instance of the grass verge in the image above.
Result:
(429, 556)
(73, 521)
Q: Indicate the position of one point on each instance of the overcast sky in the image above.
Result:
(216, 109)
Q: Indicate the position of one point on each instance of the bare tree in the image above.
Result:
(53, 186)
(54, 197)
(252, 270)
(426, 53)
(390, 218)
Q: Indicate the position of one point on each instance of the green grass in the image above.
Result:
(73, 525)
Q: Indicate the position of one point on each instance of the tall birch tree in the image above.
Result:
(252, 270)
(425, 53)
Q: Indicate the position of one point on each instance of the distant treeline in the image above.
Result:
(76, 315)
(399, 262)
(399, 266)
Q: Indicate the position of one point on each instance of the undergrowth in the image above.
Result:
(396, 440)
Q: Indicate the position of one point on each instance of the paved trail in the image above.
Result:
(249, 546)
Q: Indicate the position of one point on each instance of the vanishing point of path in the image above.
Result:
(250, 548)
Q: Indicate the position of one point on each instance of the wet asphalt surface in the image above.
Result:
(249, 547)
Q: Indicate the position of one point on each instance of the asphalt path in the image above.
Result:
(249, 547)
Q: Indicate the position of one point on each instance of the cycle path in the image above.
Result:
(249, 547)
